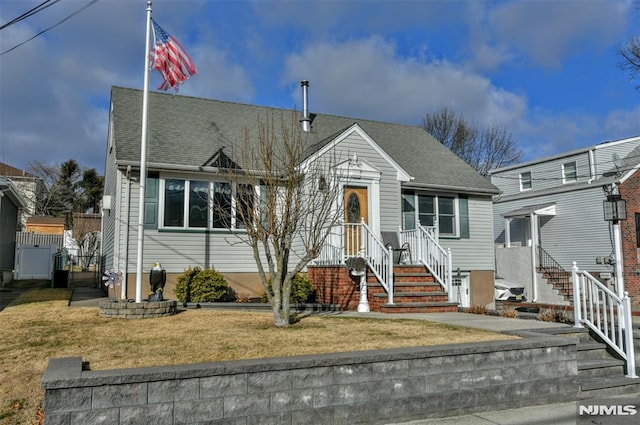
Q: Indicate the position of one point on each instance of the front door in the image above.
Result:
(356, 209)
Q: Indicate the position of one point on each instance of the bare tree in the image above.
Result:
(46, 202)
(483, 150)
(630, 56)
(86, 234)
(286, 201)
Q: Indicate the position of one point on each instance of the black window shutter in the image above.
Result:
(151, 203)
(463, 205)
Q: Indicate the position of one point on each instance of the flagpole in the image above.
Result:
(142, 181)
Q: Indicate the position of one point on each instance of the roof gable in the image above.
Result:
(401, 174)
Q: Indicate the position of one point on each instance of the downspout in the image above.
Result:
(534, 279)
(127, 208)
(592, 167)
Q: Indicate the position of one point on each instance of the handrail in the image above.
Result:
(379, 259)
(549, 264)
(356, 239)
(431, 254)
(606, 314)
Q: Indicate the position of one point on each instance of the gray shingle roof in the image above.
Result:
(186, 131)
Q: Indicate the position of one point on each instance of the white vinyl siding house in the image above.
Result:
(561, 215)
(188, 135)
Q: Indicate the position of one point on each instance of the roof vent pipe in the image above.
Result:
(306, 121)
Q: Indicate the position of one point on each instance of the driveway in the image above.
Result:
(7, 295)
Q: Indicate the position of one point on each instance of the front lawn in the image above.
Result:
(39, 325)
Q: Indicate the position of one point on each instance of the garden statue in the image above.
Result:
(157, 280)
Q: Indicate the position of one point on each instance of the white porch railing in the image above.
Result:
(356, 239)
(606, 314)
(426, 250)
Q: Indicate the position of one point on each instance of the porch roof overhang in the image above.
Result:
(548, 209)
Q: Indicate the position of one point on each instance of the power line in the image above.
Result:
(25, 15)
(538, 173)
(91, 3)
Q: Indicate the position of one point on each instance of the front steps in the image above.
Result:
(560, 281)
(600, 373)
(415, 291)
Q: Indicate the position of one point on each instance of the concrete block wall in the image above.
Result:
(342, 388)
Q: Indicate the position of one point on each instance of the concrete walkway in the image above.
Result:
(477, 321)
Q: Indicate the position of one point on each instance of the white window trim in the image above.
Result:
(523, 189)
(564, 173)
(456, 212)
(185, 213)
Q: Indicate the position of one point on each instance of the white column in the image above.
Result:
(533, 221)
(617, 243)
(507, 232)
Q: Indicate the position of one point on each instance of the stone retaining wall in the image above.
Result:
(343, 388)
(143, 310)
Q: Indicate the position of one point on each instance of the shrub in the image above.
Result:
(302, 290)
(209, 286)
(512, 313)
(553, 315)
(183, 284)
(478, 309)
(201, 286)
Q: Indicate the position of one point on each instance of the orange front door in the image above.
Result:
(356, 209)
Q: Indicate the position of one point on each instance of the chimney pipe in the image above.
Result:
(306, 121)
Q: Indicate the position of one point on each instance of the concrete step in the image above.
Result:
(417, 287)
(592, 368)
(607, 386)
(592, 350)
(425, 307)
(582, 334)
(416, 297)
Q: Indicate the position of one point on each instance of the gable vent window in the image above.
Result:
(525, 181)
(569, 172)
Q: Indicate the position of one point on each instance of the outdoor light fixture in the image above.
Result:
(615, 208)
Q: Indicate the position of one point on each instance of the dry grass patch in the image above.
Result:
(35, 330)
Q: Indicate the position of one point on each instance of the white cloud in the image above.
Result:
(367, 78)
(623, 123)
(549, 32)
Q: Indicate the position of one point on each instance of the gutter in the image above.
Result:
(445, 188)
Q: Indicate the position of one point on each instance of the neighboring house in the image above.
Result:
(45, 225)
(30, 186)
(398, 174)
(11, 202)
(86, 230)
(550, 214)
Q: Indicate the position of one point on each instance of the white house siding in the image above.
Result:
(577, 232)
(544, 175)
(604, 154)
(475, 252)
(109, 218)
(389, 184)
(176, 249)
(547, 173)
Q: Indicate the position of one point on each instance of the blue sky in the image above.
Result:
(547, 71)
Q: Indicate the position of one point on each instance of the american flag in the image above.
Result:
(171, 59)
